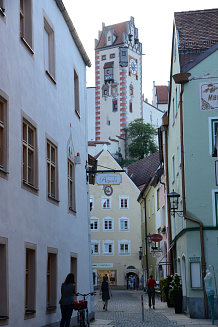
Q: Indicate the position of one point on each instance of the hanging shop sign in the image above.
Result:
(156, 237)
(111, 179)
(209, 96)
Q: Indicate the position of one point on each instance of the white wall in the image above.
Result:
(29, 217)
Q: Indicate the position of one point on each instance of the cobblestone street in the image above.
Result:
(125, 310)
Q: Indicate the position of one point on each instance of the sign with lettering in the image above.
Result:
(209, 96)
(108, 179)
(102, 265)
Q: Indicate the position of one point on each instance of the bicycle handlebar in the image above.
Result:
(84, 295)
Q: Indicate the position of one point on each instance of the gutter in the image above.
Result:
(184, 205)
(73, 32)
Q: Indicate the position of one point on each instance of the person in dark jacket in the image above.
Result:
(66, 301)
(105, 292)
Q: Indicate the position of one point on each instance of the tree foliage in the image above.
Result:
(141, 139)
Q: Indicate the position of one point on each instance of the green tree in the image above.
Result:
(141, 139)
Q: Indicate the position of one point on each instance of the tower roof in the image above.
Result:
(118, 29)
(162, 94)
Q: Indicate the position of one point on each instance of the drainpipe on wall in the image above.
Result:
(184, 205)
(146, 245)
(171, 270)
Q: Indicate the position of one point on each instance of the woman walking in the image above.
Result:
(66, 301)
(105, 292)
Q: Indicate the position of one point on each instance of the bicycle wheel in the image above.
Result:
(87, 317)
(82, 319)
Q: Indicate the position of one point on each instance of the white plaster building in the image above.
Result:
(115, 224)
(44, 206)
(118, 71)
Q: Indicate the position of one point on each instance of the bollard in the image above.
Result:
(142, 308)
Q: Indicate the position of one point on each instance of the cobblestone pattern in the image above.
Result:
(125, 310)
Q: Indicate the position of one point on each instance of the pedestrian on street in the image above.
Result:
(142, 282)
(66, 301)
(151, 283)
(105, 292)
(132, 281)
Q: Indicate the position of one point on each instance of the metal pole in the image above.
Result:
(142, 308)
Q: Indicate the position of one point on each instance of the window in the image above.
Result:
(152, 204)
(195, 272)
(149, 208)
(51, 280)
(76, 93)
(71, 186)
(103, 57)
(95, 247)
(124, 202)
(177, 159)
(112, 55)
(173, 110)
(173, 169)
(163, 216)
(91, 202)
(105, 90)
(49, 50)
(3, 134)
(176, 102)
(29, 154)
(52, 170)
(2, 7)
(114, 105)
(124, 224)
(130, 106)
(158, 199)
(30, 280)
(114, 90)
(108, 224)
(94, 224)
(213, 136)
(106, 203)
(26, 23)
(108, 247)
(3, 278)
(124, 247)
(131, 90)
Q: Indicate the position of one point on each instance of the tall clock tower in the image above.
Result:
(118, 73)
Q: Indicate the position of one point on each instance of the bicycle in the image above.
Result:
(82, 307)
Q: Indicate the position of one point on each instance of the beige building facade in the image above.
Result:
(115, 224)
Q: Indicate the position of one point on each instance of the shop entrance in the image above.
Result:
(132, 280)
(111, 274)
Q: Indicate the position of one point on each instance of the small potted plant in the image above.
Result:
(163, 230)
(166, 290)
(176, 289)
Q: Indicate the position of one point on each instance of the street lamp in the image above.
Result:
(174, 202)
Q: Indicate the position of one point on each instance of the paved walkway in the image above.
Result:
(125, 310)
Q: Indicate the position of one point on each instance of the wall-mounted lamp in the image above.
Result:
(174, 202)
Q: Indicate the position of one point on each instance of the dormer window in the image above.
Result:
(123, 57)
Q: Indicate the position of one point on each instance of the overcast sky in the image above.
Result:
(154, 20)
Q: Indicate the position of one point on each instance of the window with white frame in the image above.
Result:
(124, 202)
(29, 154)
(173, 169)
(124, 224)
(52, 180)
(3, 134)
(91, 199)
(94, 224)
(26, 22)
(108, 224)
(49, 50)
(95, 247)
(124, 247)
(71, 186)
(108, 247)
(106, 203)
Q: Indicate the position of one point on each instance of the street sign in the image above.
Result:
(156, 237)
(110, 179)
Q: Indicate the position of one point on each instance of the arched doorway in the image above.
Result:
(132, 277)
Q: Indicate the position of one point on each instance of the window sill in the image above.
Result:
(2, 12)
(29, 314)
(50, 77)
(51, 309)
(52, 199)
(72, 211)
(30, 187)
(4, 318)
(3, 173)
(27, 45)
(77, 112)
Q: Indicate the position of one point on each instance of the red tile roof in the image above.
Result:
(143, 170)
(94, 143)
(162, 94)
(197, 31)
(119, 29)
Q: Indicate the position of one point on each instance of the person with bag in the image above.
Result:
(66, 301)
(105, 292)
(151, 283)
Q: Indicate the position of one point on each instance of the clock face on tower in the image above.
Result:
(133, 66)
